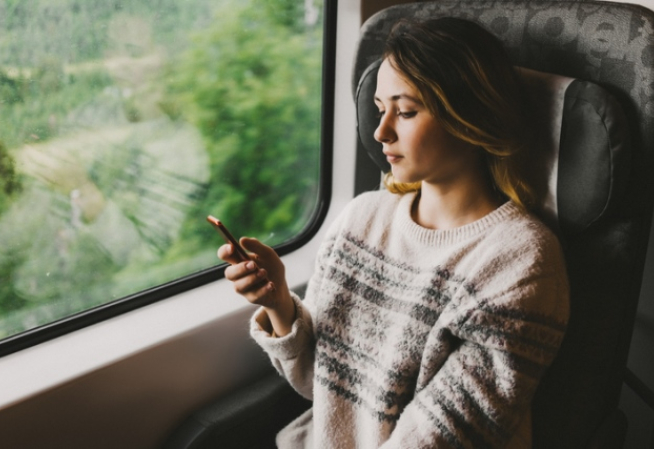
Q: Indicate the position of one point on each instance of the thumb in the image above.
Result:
(255, 246)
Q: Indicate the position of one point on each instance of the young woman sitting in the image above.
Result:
(437, 303)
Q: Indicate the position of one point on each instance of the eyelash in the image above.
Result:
(400, 113)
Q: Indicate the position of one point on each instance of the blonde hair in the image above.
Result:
(465, 79)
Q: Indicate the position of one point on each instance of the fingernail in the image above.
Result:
(249, 265)
(270, 287)
(261, 273)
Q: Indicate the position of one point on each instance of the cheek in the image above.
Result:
(430, 143)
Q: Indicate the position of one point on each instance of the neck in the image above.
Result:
(450, 206)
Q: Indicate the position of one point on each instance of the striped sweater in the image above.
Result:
(417, 338)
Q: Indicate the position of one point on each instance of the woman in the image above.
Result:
(437, 303)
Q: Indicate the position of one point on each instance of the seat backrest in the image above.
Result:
(595, 179)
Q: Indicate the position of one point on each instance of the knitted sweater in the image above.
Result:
(417, 338)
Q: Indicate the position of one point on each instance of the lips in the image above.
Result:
(391, 158)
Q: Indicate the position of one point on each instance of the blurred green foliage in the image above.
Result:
(218, 103)
(37, 106)
(252, 87)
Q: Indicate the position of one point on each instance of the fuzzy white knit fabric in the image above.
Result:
(417, 338)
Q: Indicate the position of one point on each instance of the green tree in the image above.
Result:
(10, 183)
(10, 90)
(10, 186)
(252, 85)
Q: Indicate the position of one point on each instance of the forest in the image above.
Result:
(123, 124)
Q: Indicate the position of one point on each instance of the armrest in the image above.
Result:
(247, 418)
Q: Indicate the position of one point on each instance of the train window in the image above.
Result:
(123, 124)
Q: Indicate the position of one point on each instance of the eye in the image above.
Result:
(407, 114)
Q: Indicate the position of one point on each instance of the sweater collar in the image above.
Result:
(447, 236)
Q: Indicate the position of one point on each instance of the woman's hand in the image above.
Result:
(261, 281)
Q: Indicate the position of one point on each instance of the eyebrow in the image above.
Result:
(400, 97)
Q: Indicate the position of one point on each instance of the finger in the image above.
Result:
(240, 270)
(250, 283)
(226, 252)
(260, 294)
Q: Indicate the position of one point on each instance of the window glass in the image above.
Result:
(123, 124)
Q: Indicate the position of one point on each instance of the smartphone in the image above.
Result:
(228, 237)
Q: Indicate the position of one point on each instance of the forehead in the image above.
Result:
(392, 85)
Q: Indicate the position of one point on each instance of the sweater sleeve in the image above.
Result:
(293, 355)
(501, 345)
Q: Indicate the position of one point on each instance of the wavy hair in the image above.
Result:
(464, 77)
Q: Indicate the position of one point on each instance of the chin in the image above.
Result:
(404, 179)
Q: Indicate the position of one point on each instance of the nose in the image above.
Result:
(385, 132)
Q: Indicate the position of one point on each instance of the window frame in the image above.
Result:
(100, 313)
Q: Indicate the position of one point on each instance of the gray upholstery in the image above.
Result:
(603, 196)
(245, 419)
(594, 157)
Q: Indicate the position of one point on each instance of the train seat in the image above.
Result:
(590, 71)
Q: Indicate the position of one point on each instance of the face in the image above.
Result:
(414, 142)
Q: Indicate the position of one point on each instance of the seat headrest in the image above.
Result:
(579, 154)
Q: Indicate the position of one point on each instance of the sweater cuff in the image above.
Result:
(290, 345)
